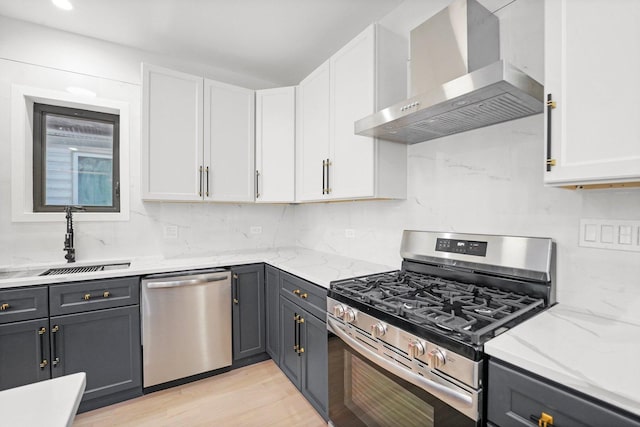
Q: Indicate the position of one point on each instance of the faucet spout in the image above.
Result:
(68, 237)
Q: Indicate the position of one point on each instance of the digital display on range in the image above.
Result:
(466, 247)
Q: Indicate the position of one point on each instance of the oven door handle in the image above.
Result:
(438, 390)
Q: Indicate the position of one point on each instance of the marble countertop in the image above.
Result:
(317, 267)
(585, 351)
(51, 403)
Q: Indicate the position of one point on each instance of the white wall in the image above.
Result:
(490, 181)
(34, 44)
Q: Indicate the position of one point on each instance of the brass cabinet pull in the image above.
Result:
(44, 362)
(106, 294)
(86, 297)
(550, 106)
(544, 420)
(4, 307)
(296, 291)
(235, 301)
(54, 344)
(200, 188)
(304, 296)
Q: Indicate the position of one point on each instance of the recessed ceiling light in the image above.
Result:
(63, 4)
(81, 91)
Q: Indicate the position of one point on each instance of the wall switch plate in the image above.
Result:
(170, 232)
(350, 233)
(255, 229)
(621, 235)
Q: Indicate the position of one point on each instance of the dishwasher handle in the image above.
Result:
(187, 282)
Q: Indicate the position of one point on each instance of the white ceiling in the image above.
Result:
(274, 40)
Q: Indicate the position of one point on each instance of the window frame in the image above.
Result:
(40, 110)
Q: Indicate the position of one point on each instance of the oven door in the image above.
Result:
(365, 389)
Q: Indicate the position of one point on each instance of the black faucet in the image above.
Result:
(68, 237)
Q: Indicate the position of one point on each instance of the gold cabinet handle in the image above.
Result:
(4, 307)
(106, 294)
(42, 331)
(44, 363)
(301, 350)
(304, 296)
(235, 301)
(86, 297)
(296, 291)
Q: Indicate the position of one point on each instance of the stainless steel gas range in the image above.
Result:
(406, 347)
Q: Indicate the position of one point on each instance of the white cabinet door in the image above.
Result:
(229, 142)
(353, 90)
(313, 136)
(171, 149)
(275, 145)
(592, 64)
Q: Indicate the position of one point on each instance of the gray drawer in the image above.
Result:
(23, 304)
(94, 295)
(307, 295)
(516, 398)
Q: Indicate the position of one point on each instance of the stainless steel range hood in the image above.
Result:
(458, 81)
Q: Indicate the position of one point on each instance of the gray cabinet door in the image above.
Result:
(315, 375)
(24, 353)
(272, 310)
(290, 358)
(105, 344)
(517, 398)
(248, 311)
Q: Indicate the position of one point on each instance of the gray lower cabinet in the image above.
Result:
(248, 311)
(518, 398)
(86, 326)
(303, 339)
(105, 344)
(24, 353)
(272, 311)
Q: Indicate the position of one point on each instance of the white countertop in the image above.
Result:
(317, 267)
(51, 403)
(583, 350)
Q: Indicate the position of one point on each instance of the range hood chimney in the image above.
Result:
(458, 81)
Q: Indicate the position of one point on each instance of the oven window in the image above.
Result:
(366, 388)
(362, 394)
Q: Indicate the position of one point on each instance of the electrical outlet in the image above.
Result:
(622, 235)
(255, 229)
(350, 233)
(170, 232)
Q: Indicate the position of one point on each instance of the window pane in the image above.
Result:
(79, 161)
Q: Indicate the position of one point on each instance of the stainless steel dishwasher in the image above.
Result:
(186, 324)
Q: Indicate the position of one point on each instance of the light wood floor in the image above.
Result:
(256, 395)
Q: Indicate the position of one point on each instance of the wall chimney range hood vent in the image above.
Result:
(458, 81)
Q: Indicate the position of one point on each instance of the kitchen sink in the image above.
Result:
(84, 269)
(44, 271)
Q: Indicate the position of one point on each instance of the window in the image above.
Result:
(75, 159)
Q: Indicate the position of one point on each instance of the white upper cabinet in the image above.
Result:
(229, 142)
(197, 138)
(275, 145)
(366, 75)
(172, 144)
(313, 135)
(592, 63)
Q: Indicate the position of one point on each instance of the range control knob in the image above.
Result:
(349, 315)
(378, 329)
(416, 348)
(338, 311)
(436, 358)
